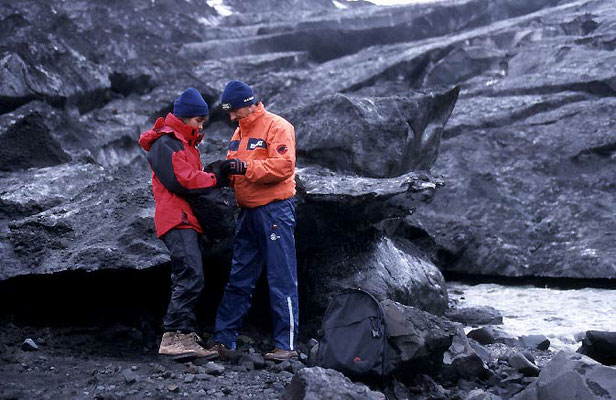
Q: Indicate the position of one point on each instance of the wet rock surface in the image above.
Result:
(572, 376)
(600, 346)
(475, 315)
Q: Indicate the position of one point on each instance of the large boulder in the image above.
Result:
(570, 376)
(342, 243)
(419, 339)
(375, 137)
(478, 315)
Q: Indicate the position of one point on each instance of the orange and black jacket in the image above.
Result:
(266, 143)
(176, 172)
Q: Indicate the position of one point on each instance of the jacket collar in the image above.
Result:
(248, 121)
(182, 131)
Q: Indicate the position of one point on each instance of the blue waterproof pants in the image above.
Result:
(264, 235)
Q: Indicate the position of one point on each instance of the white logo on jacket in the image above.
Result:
(273, 236)
(255, 145)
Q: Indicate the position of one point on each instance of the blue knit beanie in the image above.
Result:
(190, 104)
(237, 94)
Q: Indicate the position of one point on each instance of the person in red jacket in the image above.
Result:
(177, 172)
(262, 167)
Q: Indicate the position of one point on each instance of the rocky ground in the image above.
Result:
(116, 363)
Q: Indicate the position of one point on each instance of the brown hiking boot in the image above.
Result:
(180, 344)
(223, 351)
(281, 355)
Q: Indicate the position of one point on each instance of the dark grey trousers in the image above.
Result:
(186, 279)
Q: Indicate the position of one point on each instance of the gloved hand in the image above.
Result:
(222, 178)
(234, 167)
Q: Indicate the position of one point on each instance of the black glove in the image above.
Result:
(222, 178)
(233, 167)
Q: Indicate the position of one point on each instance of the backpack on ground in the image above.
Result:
(353, 336)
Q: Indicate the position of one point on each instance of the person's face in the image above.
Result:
(239, 113)
(196, 122)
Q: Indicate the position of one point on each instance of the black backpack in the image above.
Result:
(353, 336)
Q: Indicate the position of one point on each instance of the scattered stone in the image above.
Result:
(278, 387)
(522, 364)
(129, 376)
(173, 388)
(244, 367)
(600, 346)
(29, 345)
(213, 368)
(189, 378)
(479, 315)
(321, 383)
(203, 377)
(480, 394)
(286, 375)
(296, 366)
(461, 361)
(256, 360)
(490, 335)
(539, 342)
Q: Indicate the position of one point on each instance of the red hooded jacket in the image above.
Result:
(176, 172)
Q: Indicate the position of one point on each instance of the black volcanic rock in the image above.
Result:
(375, 137)
(572, 376)
(479, 315)
(600, 346)
(27, 144)
(419, 339)
(321, 383)
(527, 153)
(332, 33)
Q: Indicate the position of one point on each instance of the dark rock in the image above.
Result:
(522, 364)
(29, 345)
(481, 351)
(296, 366)
(419, 339)
(319, 383)
(480, 394)
(600, 346)
(255, 359)
(129, 376)
(490, 335)
(29, 144)
(213, 368)
(571, 376)
(282, 366)
(540, 100)
(460, 361)
(480, 315)
(338, 132)
(539, 342)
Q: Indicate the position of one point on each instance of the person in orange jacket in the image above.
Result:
(176, 173)
(261, 164)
